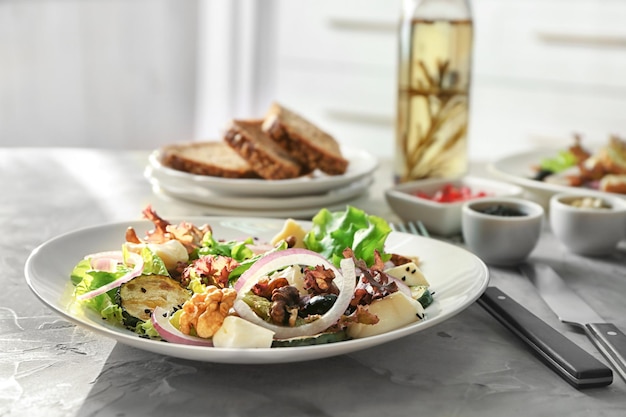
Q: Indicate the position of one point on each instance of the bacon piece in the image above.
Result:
(320, 281)
(212, 270)
(186, 233)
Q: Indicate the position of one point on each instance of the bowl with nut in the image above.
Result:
(587, 224)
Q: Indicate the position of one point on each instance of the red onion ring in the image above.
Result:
(134, 258)
(402, 287)
(98, 259)
(290, 257)
(277, 260)
(161, 321)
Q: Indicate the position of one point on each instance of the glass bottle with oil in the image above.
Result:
(436, 38)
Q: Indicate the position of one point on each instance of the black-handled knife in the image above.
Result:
(566, 358)
(572, 309)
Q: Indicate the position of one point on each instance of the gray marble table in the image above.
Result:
(469, 365)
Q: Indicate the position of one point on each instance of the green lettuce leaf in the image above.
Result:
(152, 263)
(104, 304)
(333, 232)
(80, 271)
(146, 328)
(560, 162)
(246, 264)
(238, 250)
(86, 279)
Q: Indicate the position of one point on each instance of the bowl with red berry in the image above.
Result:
(437, 202)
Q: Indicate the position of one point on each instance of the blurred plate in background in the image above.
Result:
(361, 165)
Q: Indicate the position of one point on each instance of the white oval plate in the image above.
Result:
(204, 196)
(456, 284)
(517, 169)
(181, 207)
(361, 164)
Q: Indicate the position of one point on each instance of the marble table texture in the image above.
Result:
(470, 365)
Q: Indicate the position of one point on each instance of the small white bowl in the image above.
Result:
(498, 239)
(442, 219)
(588, 231)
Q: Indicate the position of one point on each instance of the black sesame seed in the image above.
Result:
(143, 289)
(403, 278)
(407, 269)
(414, 271)
(504, 211)
(147, 311)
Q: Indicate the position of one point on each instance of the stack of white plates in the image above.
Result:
(299, 197)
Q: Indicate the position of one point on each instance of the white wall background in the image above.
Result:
(236, 61)
(97, 73)
(142, 73)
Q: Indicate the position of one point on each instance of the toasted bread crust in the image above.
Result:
(304, 141)
(266, 158)
(215, 159)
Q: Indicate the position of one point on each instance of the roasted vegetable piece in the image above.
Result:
(141, 295)
(319, 339)
(422, 295)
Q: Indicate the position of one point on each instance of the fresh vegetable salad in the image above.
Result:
(181, 284)
(604, 170)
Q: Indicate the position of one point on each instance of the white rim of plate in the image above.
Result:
(361, 164)
(520, 172)
(204, 196)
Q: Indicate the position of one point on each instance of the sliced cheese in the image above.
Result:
(408, 273)
(239, 333)
(290, 228)
(295, 276)
(171, 252)
(394, 311)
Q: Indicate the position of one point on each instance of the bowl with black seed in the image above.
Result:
(500, 230)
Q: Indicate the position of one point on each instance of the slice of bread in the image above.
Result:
(304, 141)
(206, 158)
(265, 156)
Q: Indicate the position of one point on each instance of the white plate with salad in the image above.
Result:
(51, 270)
(361, 164)
(595, 168)
(521, 169)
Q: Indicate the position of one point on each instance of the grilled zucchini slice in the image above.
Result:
(319, 339)
(141, 295)
(423, 295)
